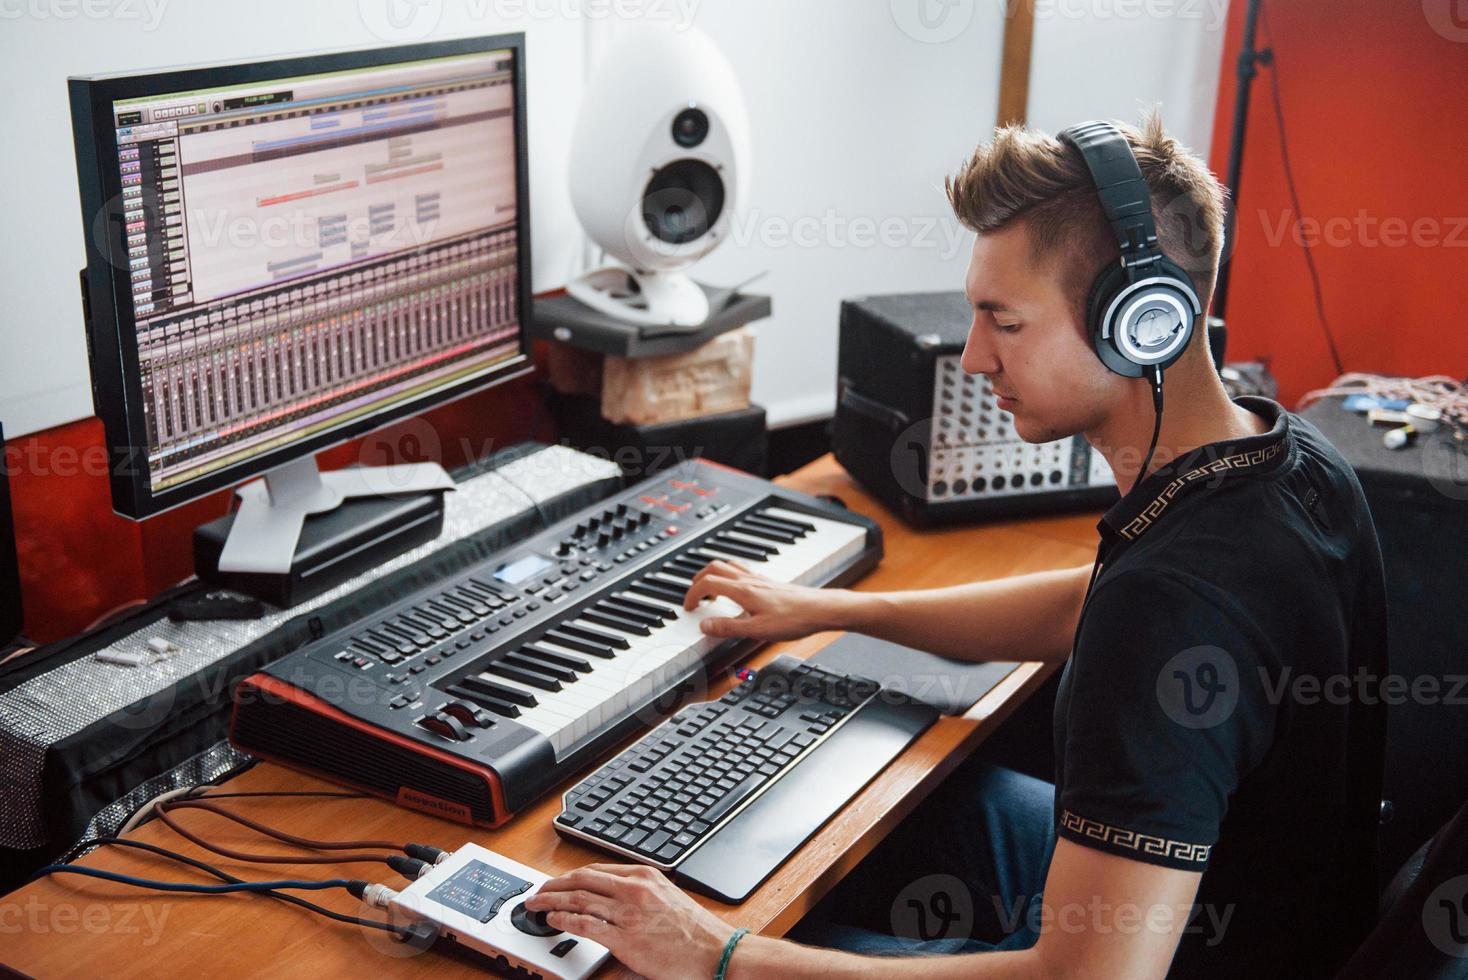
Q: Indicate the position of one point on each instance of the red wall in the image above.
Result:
(79, 560)
(1375, 98)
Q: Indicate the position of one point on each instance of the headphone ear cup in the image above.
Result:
(1103, 290)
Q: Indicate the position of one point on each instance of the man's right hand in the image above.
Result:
(776, 610)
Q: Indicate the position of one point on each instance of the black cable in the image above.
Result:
(299, 792)
(1156, 425)
(225, 876)
(221, 796)
(1289, 173)
(238, 885)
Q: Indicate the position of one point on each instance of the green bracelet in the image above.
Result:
(728, 952)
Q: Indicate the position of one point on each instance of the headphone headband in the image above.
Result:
(1125, 199)
(1140, 313)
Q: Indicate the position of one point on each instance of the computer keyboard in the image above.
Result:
(691, 778)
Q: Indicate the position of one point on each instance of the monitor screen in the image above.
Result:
(307, 252)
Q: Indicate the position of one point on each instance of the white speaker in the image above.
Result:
(659, 165)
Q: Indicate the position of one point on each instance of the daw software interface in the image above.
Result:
(310, 250)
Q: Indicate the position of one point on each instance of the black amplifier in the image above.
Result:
(929, 440)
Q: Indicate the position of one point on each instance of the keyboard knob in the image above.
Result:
(581, 530)
(532, 923)
(564, 549)
(617, 530)
(621, 510)
(603, 539)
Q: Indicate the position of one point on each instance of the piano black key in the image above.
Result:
(673, 577)
(614, 608)
(615, 622)
(760, 531)
(687, 566)
(505, 693)
(596, 636)
(727, 538)
(735, 550)
(499, 707)
(651, 608)
(556, 657)
(787, 522)
(563, 674)
(655, 591)
(527, 677)
(672, 584)
(698, 554)
(583, 645)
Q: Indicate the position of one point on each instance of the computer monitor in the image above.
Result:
(284, 255)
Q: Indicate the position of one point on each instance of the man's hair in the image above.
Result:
(1028, 176)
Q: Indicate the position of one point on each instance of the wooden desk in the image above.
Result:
(71, 926)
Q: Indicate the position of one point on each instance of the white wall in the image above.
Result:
(858, 109)
(43, 362)
(1101, 58)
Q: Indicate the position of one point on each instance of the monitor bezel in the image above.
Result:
(107, 300)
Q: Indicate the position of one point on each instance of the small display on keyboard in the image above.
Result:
(659, 799)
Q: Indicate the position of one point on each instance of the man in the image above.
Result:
(1215, 794)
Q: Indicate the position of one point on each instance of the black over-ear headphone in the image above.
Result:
(1142, 311)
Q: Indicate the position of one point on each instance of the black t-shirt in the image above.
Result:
(1217, 712)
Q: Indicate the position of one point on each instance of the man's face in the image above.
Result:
(1028, 340)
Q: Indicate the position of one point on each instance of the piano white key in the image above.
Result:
(650, 664)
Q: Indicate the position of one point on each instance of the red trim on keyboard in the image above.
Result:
(413, 798)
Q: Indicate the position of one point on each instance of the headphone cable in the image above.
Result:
(1156, 425)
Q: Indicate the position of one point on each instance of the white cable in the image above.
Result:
(146, 810)
(1448, 395)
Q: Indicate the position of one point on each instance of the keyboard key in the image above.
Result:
(580, 645)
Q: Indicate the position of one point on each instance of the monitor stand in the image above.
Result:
(267, 525)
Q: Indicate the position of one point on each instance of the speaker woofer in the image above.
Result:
(682, 201)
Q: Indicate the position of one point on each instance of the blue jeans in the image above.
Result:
(962, 874)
